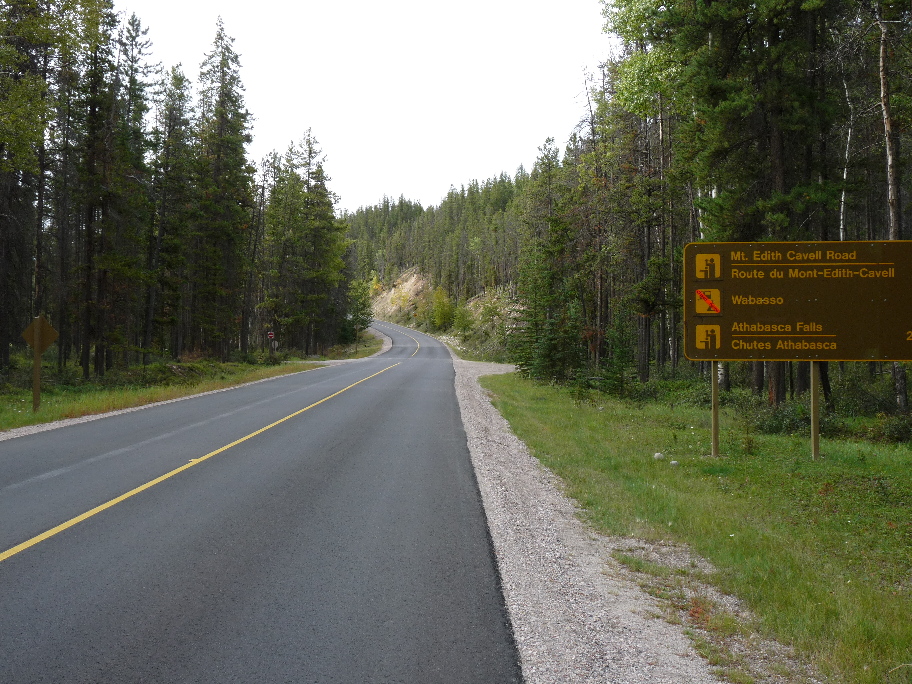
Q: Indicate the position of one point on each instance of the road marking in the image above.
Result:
(133, 492)
(164, 435)
(418, 348)
(407, 335)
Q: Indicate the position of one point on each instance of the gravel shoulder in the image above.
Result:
(577, 614)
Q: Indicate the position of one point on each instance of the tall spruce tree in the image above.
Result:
(224, 180)
(305, 249)
(174, 192)
(98, 167)
(124, 250)
(23, 111)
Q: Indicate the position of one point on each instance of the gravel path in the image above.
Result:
(577, 615)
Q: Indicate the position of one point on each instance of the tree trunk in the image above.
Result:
(824, 367)
(757, 377)
(88, 334)
(893, 196)
(802, 377)
(845, 168)
(900, 386)
(776, 382)
(645, 336)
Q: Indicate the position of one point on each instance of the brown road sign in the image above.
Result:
(837, 301)
(40, 334)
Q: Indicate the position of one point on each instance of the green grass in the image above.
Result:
(820, 551)
(69, 397)
(62, 401)
(367, 346)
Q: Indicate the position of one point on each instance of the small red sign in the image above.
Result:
(270, 334)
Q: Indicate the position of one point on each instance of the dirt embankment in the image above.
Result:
(391, 303)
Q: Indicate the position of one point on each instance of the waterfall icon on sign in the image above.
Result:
(709, 266)
(709, 337)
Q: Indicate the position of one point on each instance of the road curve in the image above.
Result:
(320, 527)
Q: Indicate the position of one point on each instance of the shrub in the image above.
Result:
(892, 429)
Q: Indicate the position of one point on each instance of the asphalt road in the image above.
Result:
(339, 537)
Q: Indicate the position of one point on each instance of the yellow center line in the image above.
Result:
(418, 348)
(148, 485)
(407, 335)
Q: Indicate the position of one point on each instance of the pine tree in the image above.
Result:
(124, 257)
(96, 180)
(548, 343)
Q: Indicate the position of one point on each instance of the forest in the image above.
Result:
(715, 121)
(130, 215)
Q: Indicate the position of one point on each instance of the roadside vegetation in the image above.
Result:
(820, 552)
(65, 394)
(477, 329)
(862, 396)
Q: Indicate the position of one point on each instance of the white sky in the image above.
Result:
(406, 97)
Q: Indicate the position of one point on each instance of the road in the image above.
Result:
(320, 527)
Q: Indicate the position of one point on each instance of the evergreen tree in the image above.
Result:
(24, 110)
(125, 249)
(175, 201)
(96, 100)
(548, 343)
(224, 180)
(305, 249)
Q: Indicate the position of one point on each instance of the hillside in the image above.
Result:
(477, 328)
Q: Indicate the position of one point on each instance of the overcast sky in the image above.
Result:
(406, 97)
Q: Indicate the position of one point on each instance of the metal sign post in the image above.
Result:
(40, 335)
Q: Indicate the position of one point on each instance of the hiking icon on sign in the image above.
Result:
(709, 337)
(709, 266)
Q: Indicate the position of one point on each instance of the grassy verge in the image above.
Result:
(71, 398)
(821, 552)
(72, 401)
(366, 346)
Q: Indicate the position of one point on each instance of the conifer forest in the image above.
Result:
(724, 121)
(131, 216)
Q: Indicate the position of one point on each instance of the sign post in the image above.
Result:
(714, 369)
(815, 411)
(40, 335)
(798, 301)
